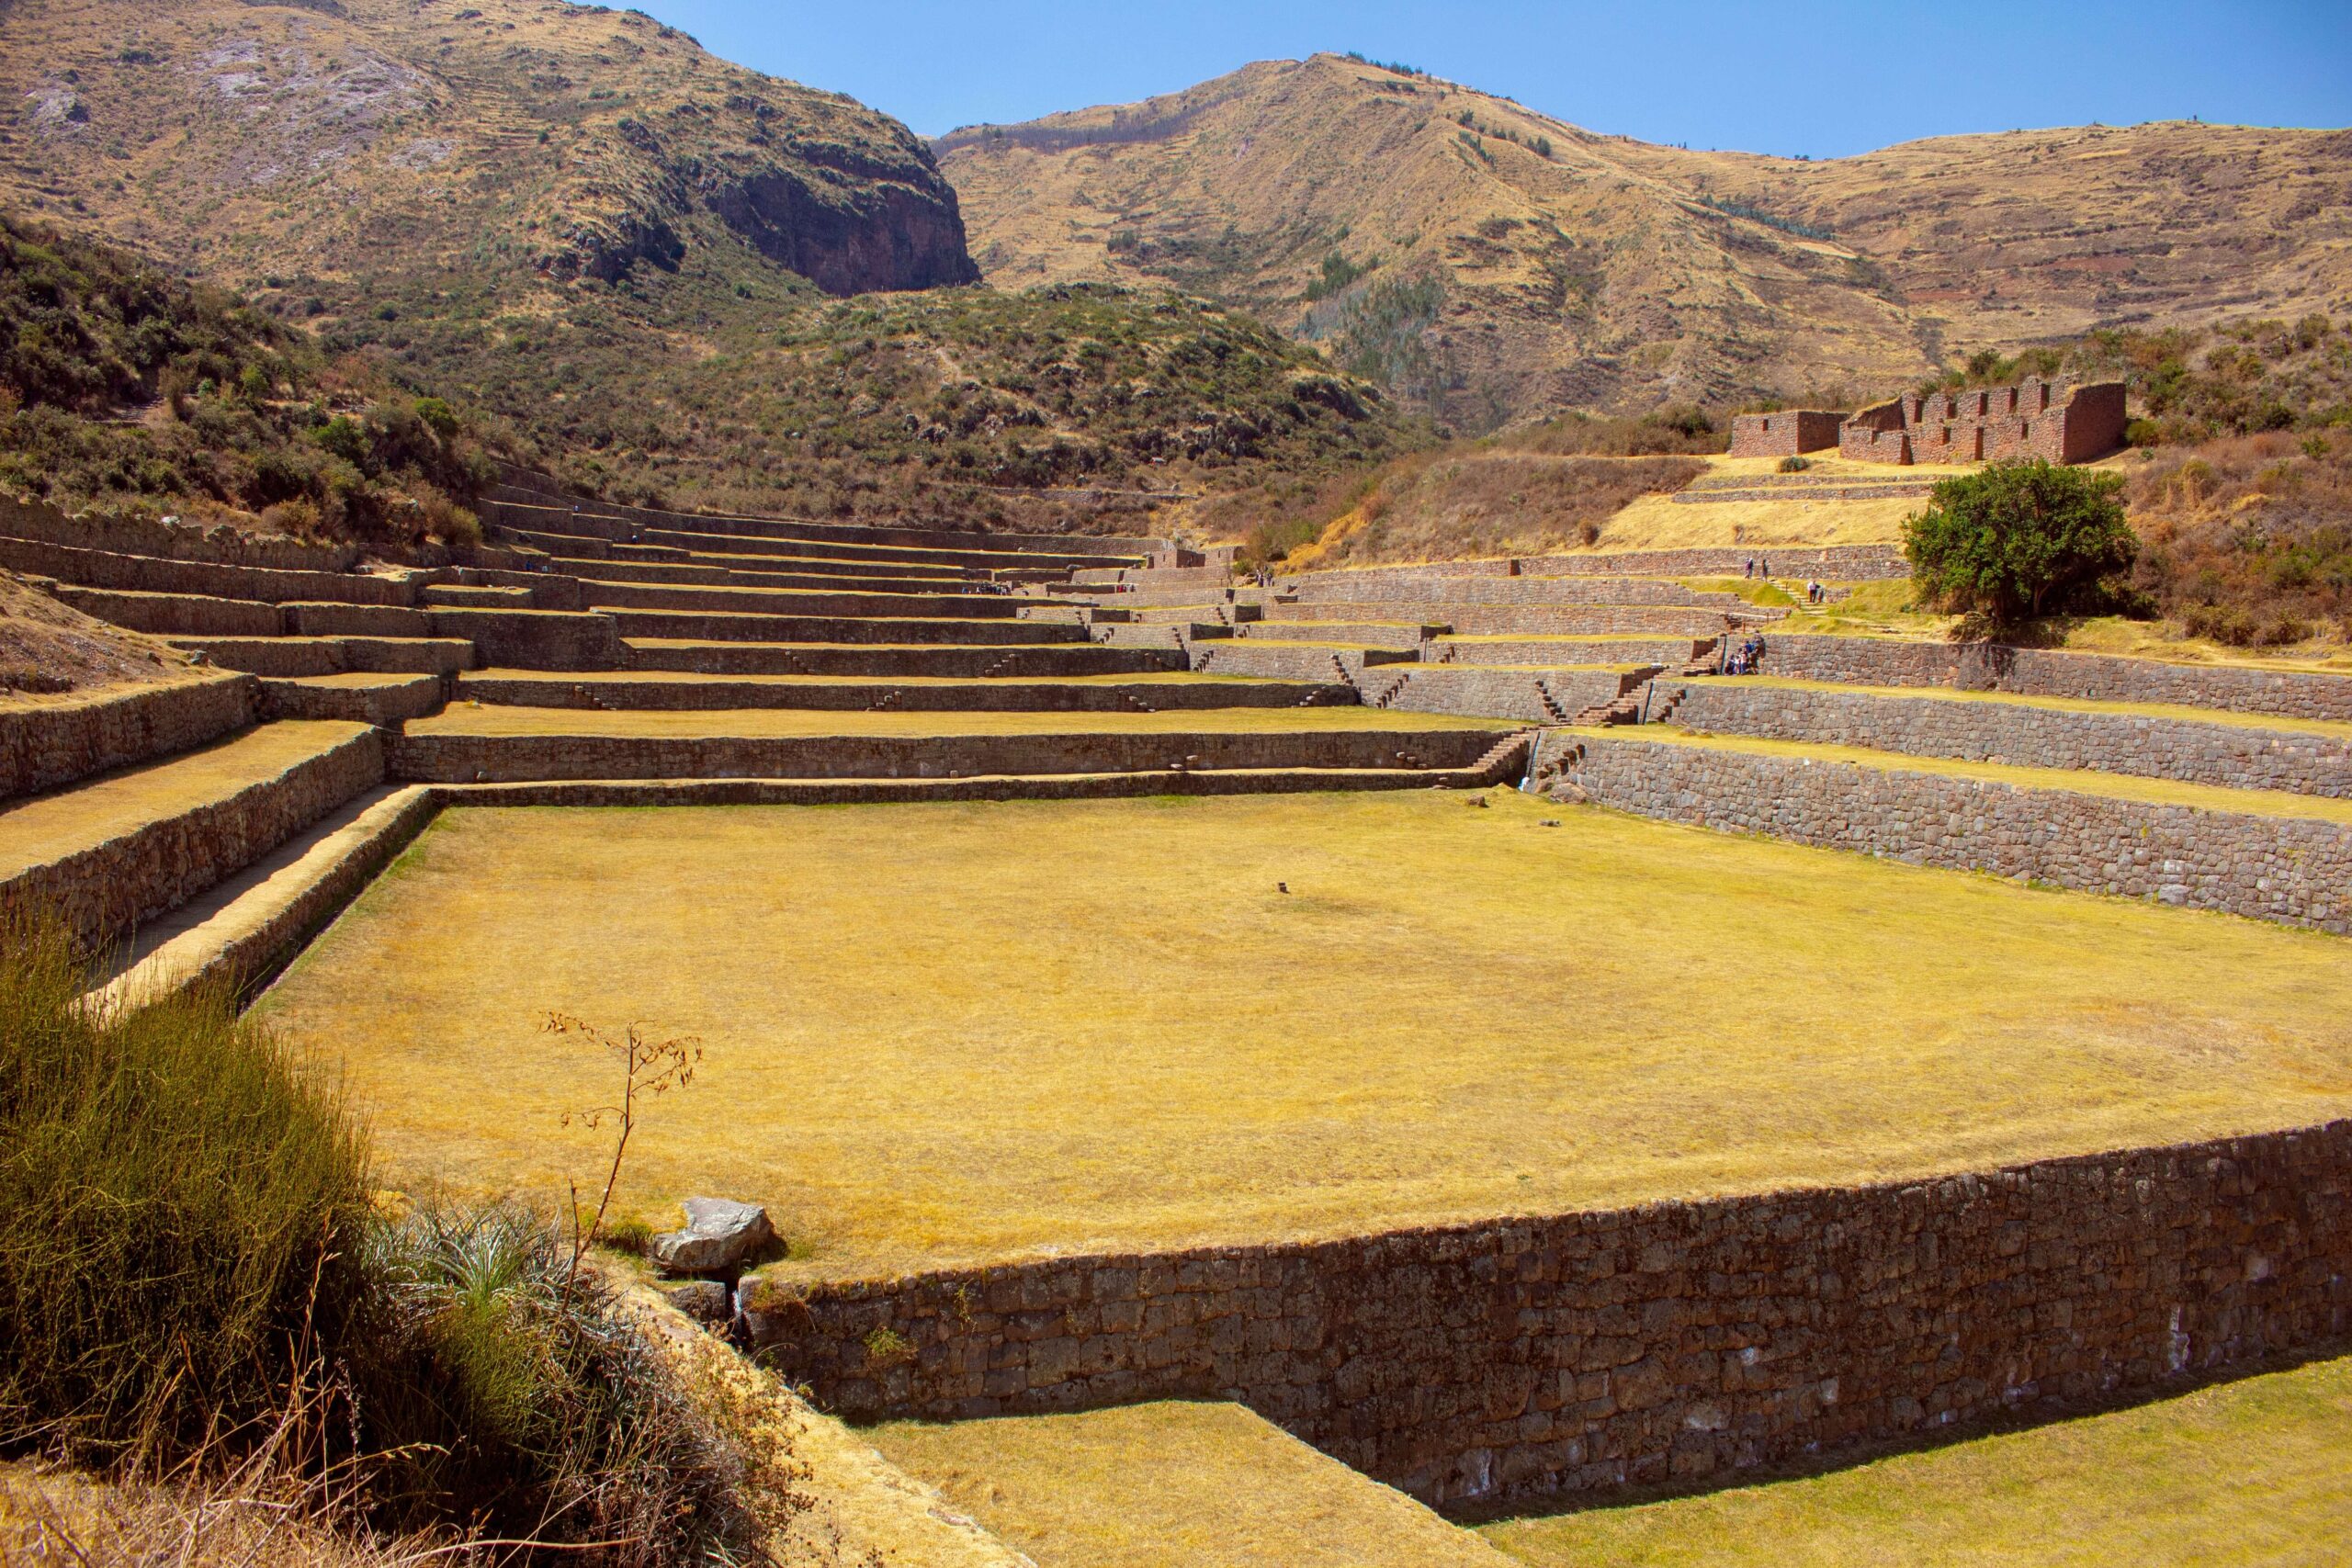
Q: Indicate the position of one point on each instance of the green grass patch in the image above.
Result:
(1146, 1485)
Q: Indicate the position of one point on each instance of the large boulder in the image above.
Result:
(721, 1236)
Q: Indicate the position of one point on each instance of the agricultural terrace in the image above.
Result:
(2230, 1476)
(946, 1034)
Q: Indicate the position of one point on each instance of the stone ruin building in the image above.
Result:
(2059, 421)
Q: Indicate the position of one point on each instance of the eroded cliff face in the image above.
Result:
(862, 237)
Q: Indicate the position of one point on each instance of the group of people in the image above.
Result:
(1815, 594)
(1744, 659)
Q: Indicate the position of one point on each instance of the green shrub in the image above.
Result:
(438, 415)
(1795, 464)
(2013, 541)
(177, 1201)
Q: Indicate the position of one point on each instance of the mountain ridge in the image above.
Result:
(1559, 267)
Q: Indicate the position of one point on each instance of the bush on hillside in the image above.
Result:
(2016, 541)
(124, 388)
(2248, 540)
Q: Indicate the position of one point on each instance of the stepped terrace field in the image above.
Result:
(2241, 1473)
(944, 1033)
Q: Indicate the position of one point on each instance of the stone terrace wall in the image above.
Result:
(166, 614)
(1537, 696)
(2233, 756)
(153, 574)
(1583, 1352)
(2295, 870)
(523, 487)
(1848, 563)
(1435, 591)
(1556, 620)
(1535, 650)
(456, 759)
(162, 863)
(2044, 673)
(1286, 661)
(138, 537)
(49, 743)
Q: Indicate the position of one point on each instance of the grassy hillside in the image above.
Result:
(124, 388)
(2243, 495)
(1088, 406)
(1488, 263)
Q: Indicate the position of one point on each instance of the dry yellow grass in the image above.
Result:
(2248, 1475)
(2337, 728)
(947, 1034)
(54, 1518)
(2080, 781)
(1174, 1483)
(765, 722)
(50, 826)
(818, 1493)
(1659, 523)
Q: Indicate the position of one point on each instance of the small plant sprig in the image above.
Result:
(648, 1067)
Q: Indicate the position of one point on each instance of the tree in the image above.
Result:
(2013, 541)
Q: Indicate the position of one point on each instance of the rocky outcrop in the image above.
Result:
(849, 222)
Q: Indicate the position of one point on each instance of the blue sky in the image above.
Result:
(1712, 75)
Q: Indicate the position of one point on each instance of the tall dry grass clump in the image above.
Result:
(200, 1299)
(178, 1202)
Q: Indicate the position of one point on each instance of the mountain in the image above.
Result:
(366, 142)
(1489, 263)
(680, 278)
